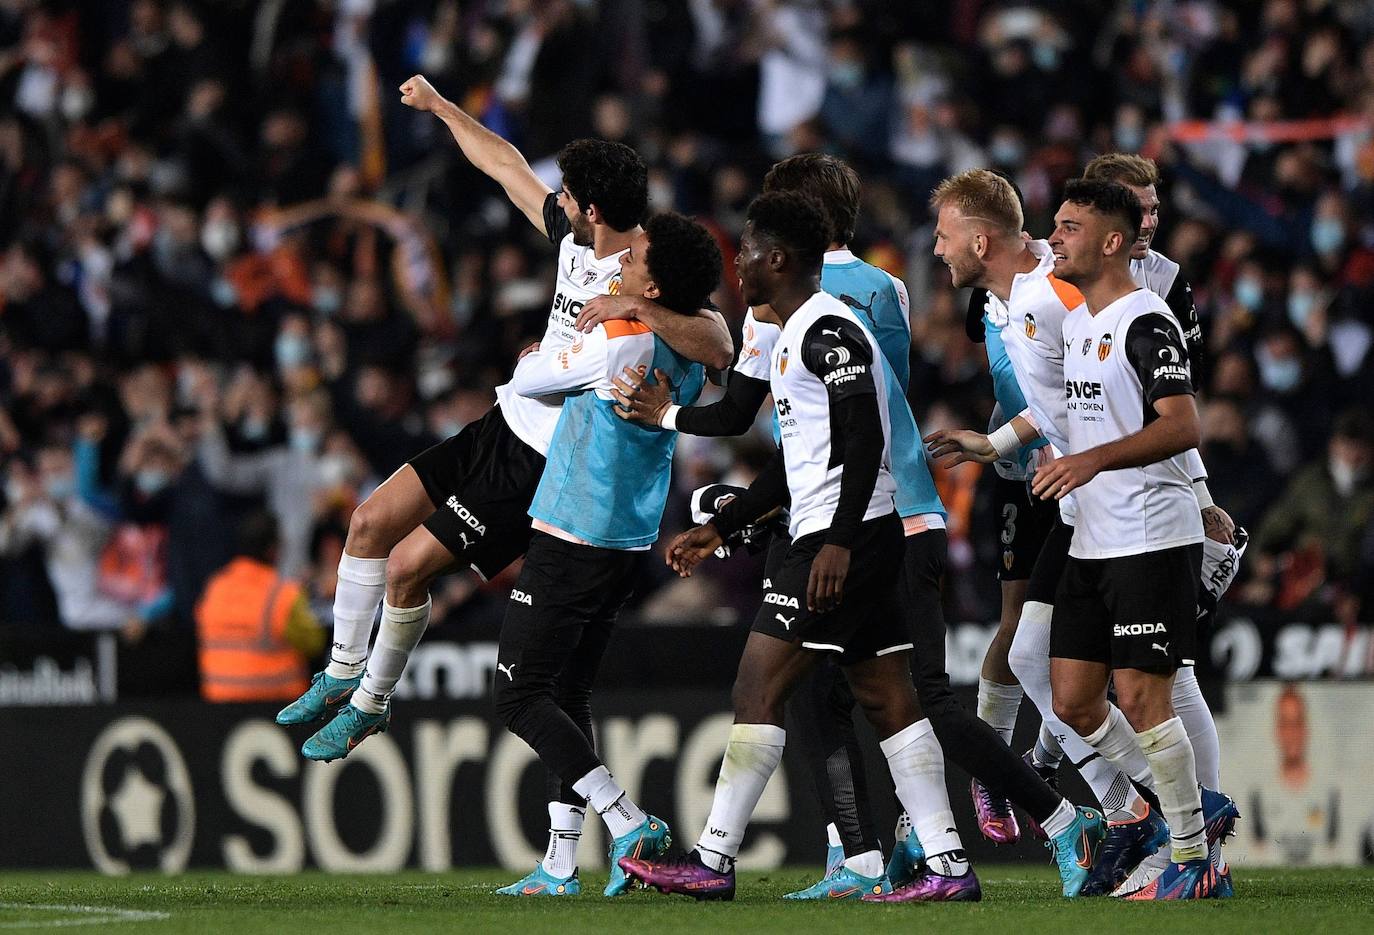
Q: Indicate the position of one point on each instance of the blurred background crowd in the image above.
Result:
(237, 274)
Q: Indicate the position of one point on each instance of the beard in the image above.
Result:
(582, 231)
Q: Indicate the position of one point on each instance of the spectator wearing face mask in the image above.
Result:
(1240, 473)
(1313, 533)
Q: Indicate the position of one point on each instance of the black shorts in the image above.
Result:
(1023, 524)
(561, 612)
(1132, 612)
(869, 621)
(481, 482)
(1049, 563)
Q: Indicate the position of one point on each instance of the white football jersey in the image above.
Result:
(1117, 363)
(824, 352)
(756, 347)
(581, 277)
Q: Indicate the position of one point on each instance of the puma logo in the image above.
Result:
(507, 671)
(1164, 649)
(859, 306)
(834, 331)
(785, 621)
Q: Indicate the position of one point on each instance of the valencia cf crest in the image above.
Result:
(1087, 343)
(614, 287)
(1030, 326)
(782, 361)
(1008, 557)
(1104, 347)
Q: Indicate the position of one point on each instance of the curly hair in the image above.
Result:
(684, 261)
(829, 179)
(608, 175)
(795, 221)
(1112, 199)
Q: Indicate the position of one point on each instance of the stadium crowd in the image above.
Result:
(236, 272)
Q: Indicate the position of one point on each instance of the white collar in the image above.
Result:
(840, 256)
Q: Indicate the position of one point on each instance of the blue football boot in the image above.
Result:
(542, 883)
(325, 695)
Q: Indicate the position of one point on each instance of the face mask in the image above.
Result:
(846, 75)
(253, 430)
(305, 440)
(1344, 476)
(77, 103)
(150, 482)
(223, 293)
(291, 351)
(1249, 293)
(326, 299)
(333, 470)
(219, 238)
(60, 488)
(1328, 235)
(1300, 307)
(1282, 375)
(1006, 152)
(1045, 56)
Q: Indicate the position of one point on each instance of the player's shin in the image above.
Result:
(917, 765)
(1170, 756)
(397, 638)
(361, 585)
(751, 756)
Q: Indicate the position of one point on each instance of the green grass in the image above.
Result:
(1017, 901)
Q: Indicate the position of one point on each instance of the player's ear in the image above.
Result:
(651, 291)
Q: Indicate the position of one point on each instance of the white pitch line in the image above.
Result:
(90, 915)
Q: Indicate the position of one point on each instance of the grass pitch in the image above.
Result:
(1017, 901)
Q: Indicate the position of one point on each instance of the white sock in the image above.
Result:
(1047, 752)
(1030, 661)
(832, 835)
(1116, 741)
(361, 584)
(998, 705)
(752, 754)
(397, 638)
(917, 765)
(609, 800)
(565, 830)
(867, 864)
(1192, 709)
(1171, 760)
(1060, 819)
(904, 827)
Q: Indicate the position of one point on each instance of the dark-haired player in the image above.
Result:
(835, 592)
(1127, 603)
(464, 501)
(822, 701)
(599, 503)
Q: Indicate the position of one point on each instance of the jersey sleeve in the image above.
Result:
(1159, 357)
(732, 414)
(556, 223)
(1181, 303)
(583, 365)
(975, 325)
(837, 351)
(756, 347)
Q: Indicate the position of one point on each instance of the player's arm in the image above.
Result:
(761, 498)
(703, 337)
(1156, 350)
(493, 156)
(642, 400)
(564, 369)
(837, 351)
(956, 446)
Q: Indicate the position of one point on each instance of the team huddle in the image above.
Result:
(1111, 544)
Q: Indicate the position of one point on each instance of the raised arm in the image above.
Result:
(495, 157)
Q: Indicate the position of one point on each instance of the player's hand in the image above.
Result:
(638, 400)
(956, 446)
(606, 308)
(1218, 525)
(1064, 475)
(529, 350)
(417, 92)
(825, 587)
(689, 549)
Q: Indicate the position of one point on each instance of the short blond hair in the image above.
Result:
(981, 193)
(1124, 169)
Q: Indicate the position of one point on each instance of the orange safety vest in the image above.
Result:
(241, 624)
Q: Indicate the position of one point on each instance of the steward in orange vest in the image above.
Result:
(255, 629)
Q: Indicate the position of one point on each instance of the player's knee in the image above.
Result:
(1081, 716)
(1027, 663)
(407, 577)
(755, 702)
(1143, 707)
(367, 529)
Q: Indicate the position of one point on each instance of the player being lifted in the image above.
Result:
(599, 503)
(835, 591)
(823, 702)
(464, 501)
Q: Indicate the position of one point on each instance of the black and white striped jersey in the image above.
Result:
(824, 357)
(1117, 364)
